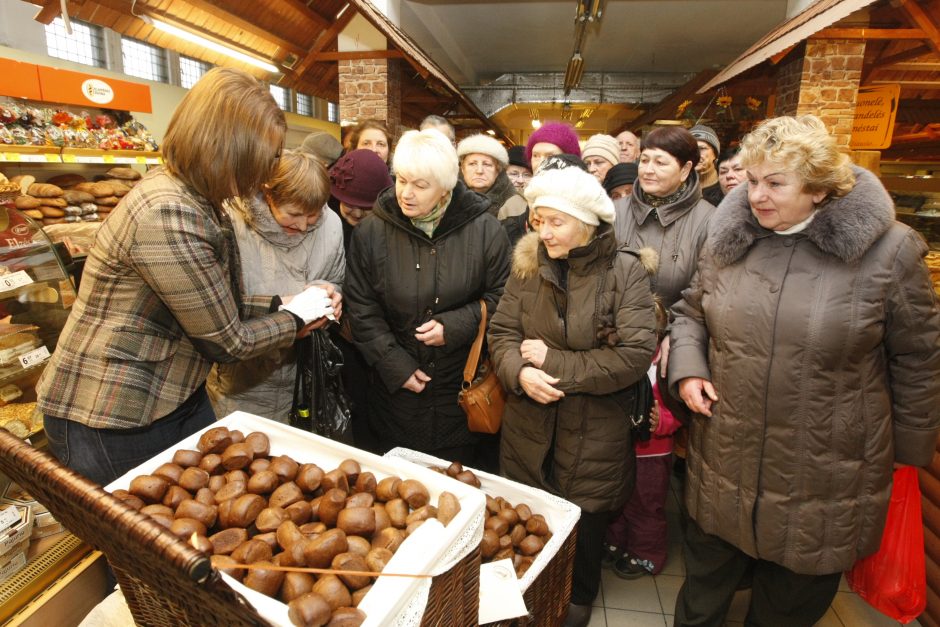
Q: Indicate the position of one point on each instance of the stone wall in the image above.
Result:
(370, 88)
(823, 81)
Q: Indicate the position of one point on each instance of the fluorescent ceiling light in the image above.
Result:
(536, 123)
(211, 45)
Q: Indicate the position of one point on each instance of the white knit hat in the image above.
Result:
(572, 191)
(483, 145)
(603, 146)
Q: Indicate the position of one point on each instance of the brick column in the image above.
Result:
(823, 81)
(371, 88)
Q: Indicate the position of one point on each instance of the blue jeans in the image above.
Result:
(103, 455)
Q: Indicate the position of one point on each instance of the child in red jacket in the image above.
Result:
(636, 541)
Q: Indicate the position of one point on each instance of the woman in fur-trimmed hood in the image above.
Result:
(574, 331)
(808, 348)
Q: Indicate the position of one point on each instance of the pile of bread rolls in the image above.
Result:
(71, 197)
(509, 531)
(232, 499)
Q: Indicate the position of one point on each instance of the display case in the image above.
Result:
(36, 295)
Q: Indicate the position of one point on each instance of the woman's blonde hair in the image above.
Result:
(300, 180)
(225, 136)
(428, 155)
(803, 145)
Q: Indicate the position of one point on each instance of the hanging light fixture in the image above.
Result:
(209, 44)
(574, 72)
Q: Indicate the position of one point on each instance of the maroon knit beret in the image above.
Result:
(556, 133)
(357, 178)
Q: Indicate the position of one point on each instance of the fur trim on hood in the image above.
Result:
(844, 227)
(525, 257)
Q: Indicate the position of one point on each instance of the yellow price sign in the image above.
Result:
(69, 158)
(141, 159)
(53, 158)
(109, 158)
(13, 156)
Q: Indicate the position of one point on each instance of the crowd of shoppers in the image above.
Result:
(765, 296)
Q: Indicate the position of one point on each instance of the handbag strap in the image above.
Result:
(473, 359)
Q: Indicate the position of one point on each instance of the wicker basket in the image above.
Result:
(166, 582)
(549, 593)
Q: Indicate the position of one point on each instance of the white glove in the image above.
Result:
(310, 304)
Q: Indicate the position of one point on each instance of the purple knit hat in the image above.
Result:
(357, 178)
(556, 133)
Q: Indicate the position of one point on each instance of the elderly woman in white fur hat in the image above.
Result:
(574, 331)
(483, 163)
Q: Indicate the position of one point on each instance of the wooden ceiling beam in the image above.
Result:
(916, 14)
(359, 54)
(870, 33)
(325, 39)
(900, 57)
(49, 11)
(309, 13)
(212, 8)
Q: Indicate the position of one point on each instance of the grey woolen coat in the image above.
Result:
(824, 349)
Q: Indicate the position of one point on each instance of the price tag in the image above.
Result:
(13, 156)
(68, 158)
(89, 159)
(51, 158)
(33, 357)
(9, 517)
(109, 159)
(125, 160)
(14, 280)
(33, 158)
(140, 159)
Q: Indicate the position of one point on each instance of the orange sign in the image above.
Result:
(19, 80)
(875, 110)
(96, 91)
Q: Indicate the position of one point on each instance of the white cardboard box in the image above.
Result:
(432, 549)
(561, 515)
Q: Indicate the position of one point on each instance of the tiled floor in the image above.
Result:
(651, 601)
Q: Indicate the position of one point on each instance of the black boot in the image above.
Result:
(578, 615)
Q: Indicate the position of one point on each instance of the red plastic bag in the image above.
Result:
(894, 580)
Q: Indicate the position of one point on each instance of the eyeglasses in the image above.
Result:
(525, 176)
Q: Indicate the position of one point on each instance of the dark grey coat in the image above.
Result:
(824, 349)
(398, 278)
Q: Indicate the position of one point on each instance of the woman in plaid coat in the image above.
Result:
(161, 296)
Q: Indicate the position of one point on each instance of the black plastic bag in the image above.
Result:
(637, 403)
(320, 404)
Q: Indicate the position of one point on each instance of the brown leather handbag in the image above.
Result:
(481, 396)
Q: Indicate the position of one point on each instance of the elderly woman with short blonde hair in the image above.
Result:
(417, 269)
(808, 349)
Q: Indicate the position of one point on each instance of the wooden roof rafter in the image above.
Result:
(916, 14)
(325, 39)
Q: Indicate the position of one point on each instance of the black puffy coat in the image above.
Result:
(397, 279)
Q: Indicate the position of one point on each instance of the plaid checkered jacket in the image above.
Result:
(158, 304)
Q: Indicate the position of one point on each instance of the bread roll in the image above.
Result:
(77, 197)
(52, 212)
(54, 202)
(98, 190)
(35, 214)
(45, 190)
(27, 202)
(107, 201)
(124, 173)
(67, 180)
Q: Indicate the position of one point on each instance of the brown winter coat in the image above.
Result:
(599, 325)
(824, 349)
(676, 233)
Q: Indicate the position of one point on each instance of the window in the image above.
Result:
(84, 45)
(332, 112)
(304, 104)
(143, 60)
(191, 70)
(280, 96)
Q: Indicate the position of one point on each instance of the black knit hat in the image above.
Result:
(620, 174)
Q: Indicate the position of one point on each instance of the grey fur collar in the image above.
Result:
(844, 227)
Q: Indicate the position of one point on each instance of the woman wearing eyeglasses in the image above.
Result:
(287, 240)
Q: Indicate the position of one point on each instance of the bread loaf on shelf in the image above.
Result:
(44, 190)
